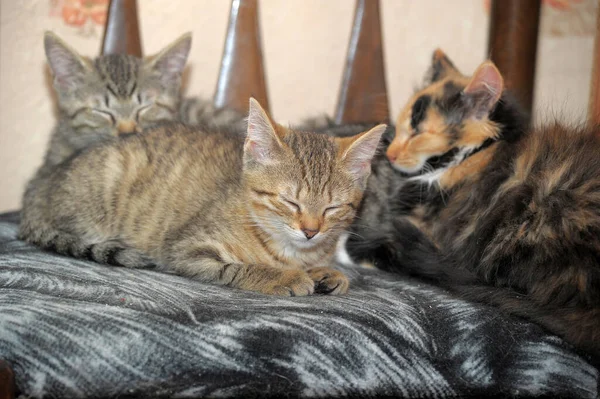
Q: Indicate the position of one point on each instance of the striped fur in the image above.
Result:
(114, 95)
(260, 213)
(111, 95)
(489, 202)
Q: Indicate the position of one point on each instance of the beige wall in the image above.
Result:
(304, 46)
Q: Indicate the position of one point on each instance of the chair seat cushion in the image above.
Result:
(73, 328)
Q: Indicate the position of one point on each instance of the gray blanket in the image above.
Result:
(71, 328)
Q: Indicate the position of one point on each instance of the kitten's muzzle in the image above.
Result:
(126, 127)
(309, 233)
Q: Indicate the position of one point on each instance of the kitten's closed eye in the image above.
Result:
(104, 114)
(155, 112)
(331, 209)
(291, 204)
(140, 111)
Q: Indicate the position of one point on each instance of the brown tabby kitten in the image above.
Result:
(260, 213)
(111, 95)
(503, 204)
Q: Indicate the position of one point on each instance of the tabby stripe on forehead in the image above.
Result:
(122, 72)
(112, 91)
(326, 181)
(131, 76)
(133, 87)
(304, 172)
(100, 69)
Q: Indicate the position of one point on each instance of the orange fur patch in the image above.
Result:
(468, 168)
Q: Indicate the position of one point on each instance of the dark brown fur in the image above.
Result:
(487, 200)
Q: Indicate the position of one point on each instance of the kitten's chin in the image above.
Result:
(303, 243)
(299, 241)
(408, 170)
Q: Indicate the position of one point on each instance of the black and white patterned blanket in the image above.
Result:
(71, 328)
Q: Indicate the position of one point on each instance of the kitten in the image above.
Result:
(487, 201)
(112, 95)
(260, 213)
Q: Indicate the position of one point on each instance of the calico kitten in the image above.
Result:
(259, 213)
(112, 95)
(490, 202)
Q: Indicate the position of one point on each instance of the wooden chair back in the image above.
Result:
(512, 45)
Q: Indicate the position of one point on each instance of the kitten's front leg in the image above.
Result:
(206, 265)
(269, 280)
(328, 281)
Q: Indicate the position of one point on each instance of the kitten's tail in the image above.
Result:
(577, 325)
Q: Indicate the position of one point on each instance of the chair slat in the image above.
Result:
(7, 381)
(594, 107)
(122, 32)
(363, 92)
(242, 73)
(513, 37)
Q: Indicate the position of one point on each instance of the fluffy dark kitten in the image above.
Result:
(492, 209)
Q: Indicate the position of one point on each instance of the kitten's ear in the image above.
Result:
(67, 66)
(170, 61)
(441, 67)
(357, 152)
(484, 89)
(263, 144)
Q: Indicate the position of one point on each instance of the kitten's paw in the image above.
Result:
(291, 283)
(115, 253)
(328, 281)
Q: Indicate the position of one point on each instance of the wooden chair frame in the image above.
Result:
(512, 45)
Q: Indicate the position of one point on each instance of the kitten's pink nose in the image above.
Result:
(392, 157)
(309, 233)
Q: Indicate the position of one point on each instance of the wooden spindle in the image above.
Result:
(7, 381)
(594, 106)
(513, 37)
(122, 32)
(242, 73)
(363, 93)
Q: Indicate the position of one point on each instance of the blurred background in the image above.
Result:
(304, 47)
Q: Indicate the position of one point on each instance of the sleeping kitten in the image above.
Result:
(260, 213)
(489, 202)
(102, 99)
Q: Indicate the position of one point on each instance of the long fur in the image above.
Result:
(514, 224)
